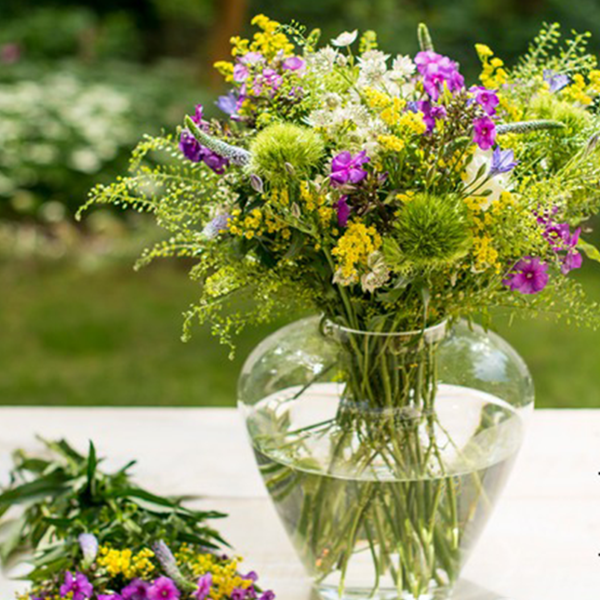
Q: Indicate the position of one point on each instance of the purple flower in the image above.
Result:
(572, 260)
(293, 63)
(214, 161)
(431, 114)
(109, 597)
(272, 78)
(79, 586)
(251, 576)
(227, 103)
(136, 590)
(190, 147)
(214, 227)
(484, 132)
(238, 594)
(528, 276)
(348, 169)
(204, 585)
(252, 58)
(343, 211)
(503, 161)
(556, 81)
(438, 70)
(163, 588)
(240, 73)
(487, 99)
(268, 595)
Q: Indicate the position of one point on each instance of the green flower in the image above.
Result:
(284, 149)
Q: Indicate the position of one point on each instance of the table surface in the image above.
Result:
(542, 542)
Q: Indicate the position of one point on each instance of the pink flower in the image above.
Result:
(487, 99)
(293, 63)
(484, 132)
(109, 597)
(528, 276)
(204, 585)
(348, 169)
(136, 590)
(79, 586)
(163, 588)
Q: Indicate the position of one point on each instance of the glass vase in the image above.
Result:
(384, 453)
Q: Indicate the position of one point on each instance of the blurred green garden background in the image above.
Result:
(80, 82)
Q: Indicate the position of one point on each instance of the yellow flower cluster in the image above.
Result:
(255, 224)
(391, 142)
(316, 202)
(225, 576)
(485, 254)
(355, 246)
(579, 91)
(413, 122)
(125, 562)
(268, 41)
(493, 74)
(405, 196)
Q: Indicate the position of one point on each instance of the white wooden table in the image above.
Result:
(542, 543)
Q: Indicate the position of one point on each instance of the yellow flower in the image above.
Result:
(354, 248)
(413, 122)
(391, 142)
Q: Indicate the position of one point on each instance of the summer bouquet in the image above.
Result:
(89, 535)
(393, 199)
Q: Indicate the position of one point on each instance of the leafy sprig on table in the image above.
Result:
(61, 495)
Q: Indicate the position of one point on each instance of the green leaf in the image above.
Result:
(51, 485)
(590, 251)
(92, 463)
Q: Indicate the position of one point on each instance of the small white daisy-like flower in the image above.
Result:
(402, 67)
(345, 39)
(373, 68)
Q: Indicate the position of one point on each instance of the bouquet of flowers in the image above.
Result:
(96, 536)
(389, 196)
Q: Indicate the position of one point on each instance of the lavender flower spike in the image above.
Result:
(238, 156)
(169, 564)
(89, 548)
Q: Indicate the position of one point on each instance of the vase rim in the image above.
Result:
(432, 333)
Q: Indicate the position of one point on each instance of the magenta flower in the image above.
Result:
(484, 132)
(293, 63)
(438, 70)
(528, 276)
(239, 594)
(343, 211)
(163, 588)
(348, 169)
(487, 99)
(109, 597)
(268, 595)
(78, 586)
(204, 585)
(503, 161)
(431, 114)
(136, 590)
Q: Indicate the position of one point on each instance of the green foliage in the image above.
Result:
(431, 231)
(66, 494)
(284, 149)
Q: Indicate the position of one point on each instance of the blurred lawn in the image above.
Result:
(110, 337)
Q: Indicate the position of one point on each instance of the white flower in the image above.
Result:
(345, 39)
(402, 67)
(377, 275)
(322, 62)
(373, 68)
(489, 188)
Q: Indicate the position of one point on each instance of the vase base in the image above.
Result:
(328, 592)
